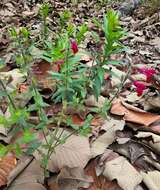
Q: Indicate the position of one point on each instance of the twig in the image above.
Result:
(8, 95)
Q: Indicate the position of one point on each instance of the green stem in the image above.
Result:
(121, 85)
(8, 95)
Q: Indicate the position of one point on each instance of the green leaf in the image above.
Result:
(97, 87)
(46, 58)
(32, 107)
(114, 62)
(18, 150)
(3, 150)
(95, 36)
(101, 73)
(27, 137)
(32, 147)
(2, 63)
(75, 127)
(55, 75)
(74, 59)
(80, 34)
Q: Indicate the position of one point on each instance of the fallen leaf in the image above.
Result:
(151, 179)
(136, 153)
(153, 142)
(152, 103)
(125, 174)
(73, 178)
(102, 142)
(16, 78)
(133, 114)
(75, 152)
(132, 97)
(99, 182)
(116, 78)
(91, 101)
(27, 185)
(156, 43)
(41, 73)
(32, 177)
(7, 164)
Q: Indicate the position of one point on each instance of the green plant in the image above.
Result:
(112, 45)
(73, 81)
(44, 12)
(22, 44)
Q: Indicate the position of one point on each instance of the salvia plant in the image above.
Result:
(73, 81)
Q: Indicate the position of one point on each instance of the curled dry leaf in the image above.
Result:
(135, 115)
(153, 142)
(151, 179)
(152, 103)
(16, 78)
(117, 77)
(100, 182)
(102, 142)
(91, 101)
(138, 154)
(7, 164)
(125, 174)
(74, 153)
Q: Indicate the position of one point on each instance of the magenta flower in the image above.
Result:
(59, 63)
(148, 72)
(74, 46)
(140, 87)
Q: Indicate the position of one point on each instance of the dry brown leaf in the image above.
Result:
(117, 78)
(132, 97)
(75, 152)
(154, 142)
(152, 103)
(31, 178)
(16, 76)
(96, 121)
(151, 179)
(73, 178)
(100, 182)
(135, 115)
(91, 101)
(125, 174)
(7, 164)
(27, 186)
(102, 142)
(41, 73)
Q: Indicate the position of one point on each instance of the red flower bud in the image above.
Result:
(74, 46)
(59, 63)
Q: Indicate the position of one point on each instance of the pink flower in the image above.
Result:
(74, 46)
(59, 63)
(140, 87)
(148, 72)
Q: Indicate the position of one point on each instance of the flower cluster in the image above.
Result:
(140, 86)
(74, 48)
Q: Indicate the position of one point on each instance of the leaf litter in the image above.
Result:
(127, 158)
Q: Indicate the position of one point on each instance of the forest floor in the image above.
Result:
(122, 152)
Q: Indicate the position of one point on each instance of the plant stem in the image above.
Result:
(121, 85)
(40, 110)
(8, 95)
